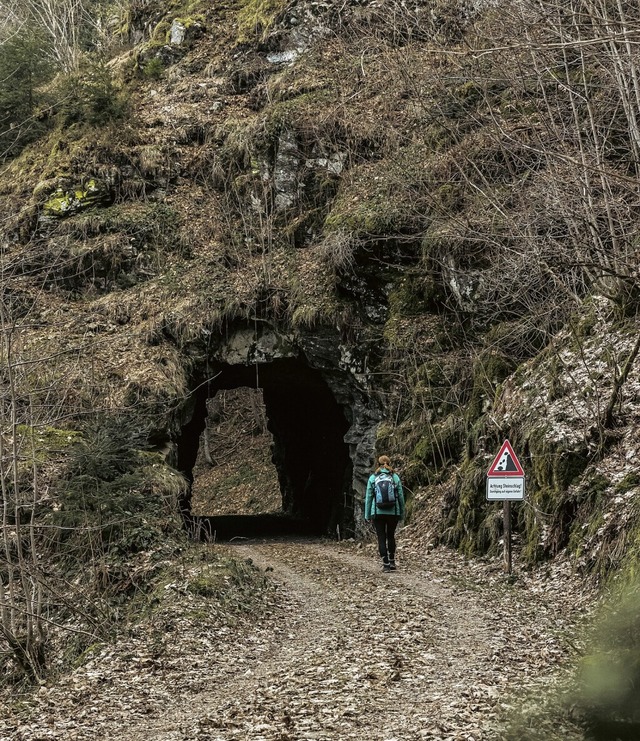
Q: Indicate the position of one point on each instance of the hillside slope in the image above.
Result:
(415, 227)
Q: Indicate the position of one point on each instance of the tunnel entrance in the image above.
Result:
(311, 459)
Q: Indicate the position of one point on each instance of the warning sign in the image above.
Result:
(506, 463)
(505, 489)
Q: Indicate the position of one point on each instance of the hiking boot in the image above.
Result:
(386, 566)
(392, 564)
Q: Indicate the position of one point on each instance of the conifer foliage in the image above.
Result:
(23, 68)
(52, 68)
(109, 498)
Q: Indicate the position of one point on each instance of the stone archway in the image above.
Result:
(323, 427)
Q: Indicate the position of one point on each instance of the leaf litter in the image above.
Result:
(443, 648)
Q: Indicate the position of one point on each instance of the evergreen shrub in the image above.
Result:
(24, 67)
(118, 497)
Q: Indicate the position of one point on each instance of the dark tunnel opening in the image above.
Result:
(309, 453)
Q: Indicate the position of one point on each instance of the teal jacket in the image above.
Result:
(370, 509)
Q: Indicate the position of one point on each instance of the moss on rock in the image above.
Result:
(547, 524)
(65, 201)
(442, 442)
(415, 295)
(256, 18)
(391, 196)
(490, 369)
(471, 521)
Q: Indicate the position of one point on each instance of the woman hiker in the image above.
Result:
(384, 504)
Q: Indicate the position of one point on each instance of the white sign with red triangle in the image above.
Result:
(506, 463)
(505, 477)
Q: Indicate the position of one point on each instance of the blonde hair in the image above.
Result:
(384, 462)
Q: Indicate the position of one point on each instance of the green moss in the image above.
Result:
(208, 575)
(592, 491)
(369, 213)
(629, 568)
(581, 532)
(437, 372)
(443, 442)
(204, 586)
(415, 294)
(390, 196)
(627, 483)
(473, 525)
(555, 385)
(490, 369)
(190, 20)
(302, 108)
(45, 443)
(146, 225)
(311, 312)
(186, 12)
(618, 555)
(161, 32)
(548, 524)
(532, 521)
(433, 245)
(64, 202)
(553, 467)
(256, 17)
(384, 433)
(547, 521)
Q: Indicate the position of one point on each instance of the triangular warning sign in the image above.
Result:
(506, 463)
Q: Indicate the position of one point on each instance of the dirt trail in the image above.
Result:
(346, 652)
(366, 655)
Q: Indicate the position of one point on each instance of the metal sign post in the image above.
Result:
(506, 516)
(505, 482)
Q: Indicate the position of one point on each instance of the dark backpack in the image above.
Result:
(385, 490)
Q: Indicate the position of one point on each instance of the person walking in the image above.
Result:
(384, 504)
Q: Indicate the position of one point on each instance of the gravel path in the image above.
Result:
(436, 650)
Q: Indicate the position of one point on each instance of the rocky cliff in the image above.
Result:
(413, 225)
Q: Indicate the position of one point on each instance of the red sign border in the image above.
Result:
(506, 445)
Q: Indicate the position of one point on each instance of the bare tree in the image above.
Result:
(21, 598)
(61, 21)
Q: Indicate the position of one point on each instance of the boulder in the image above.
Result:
(64, 201)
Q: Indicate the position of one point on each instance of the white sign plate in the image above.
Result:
(505, 487)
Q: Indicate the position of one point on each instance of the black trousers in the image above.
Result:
(386, 531)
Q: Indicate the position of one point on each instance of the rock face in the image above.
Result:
(177, 32)
(247, 347)
(184, 30)
(285, 171)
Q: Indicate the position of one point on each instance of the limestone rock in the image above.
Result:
(245, 348)
(184, 30)
(285, 171)
(69, 200)
(177, 32)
